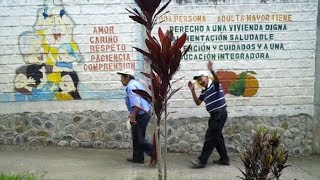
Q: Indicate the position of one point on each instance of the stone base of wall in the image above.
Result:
(91, 129)
(187, 135)
(86, 129)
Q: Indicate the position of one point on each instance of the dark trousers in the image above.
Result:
(138, 132)
(214, 138)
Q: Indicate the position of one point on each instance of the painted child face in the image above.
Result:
(21, 81)
(36, 55)
(67, 84)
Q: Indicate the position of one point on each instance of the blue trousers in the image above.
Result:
(138, 132)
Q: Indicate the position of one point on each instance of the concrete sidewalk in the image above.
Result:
(89, 164)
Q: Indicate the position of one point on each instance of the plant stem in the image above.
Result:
(156, 129)
(159, 156)
(165, 137)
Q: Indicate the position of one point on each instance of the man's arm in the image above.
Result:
(212, 71)
(133, 115)
(134, 101)
(194, 95)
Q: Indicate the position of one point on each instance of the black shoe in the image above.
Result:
(197, 164)
(221, 162)
(135, 161)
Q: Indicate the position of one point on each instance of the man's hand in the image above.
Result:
(191, 85)
(193, 92)
(209, 65)
(132, 120)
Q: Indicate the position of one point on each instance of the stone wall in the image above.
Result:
(92, 129)
(87, 129)
(283, 77)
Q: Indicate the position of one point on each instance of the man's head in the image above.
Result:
(202, 78)
(126, 76)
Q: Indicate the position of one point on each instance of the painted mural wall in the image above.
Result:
(263, 52)
(49, 52)
(58, 50)
(50, 65)
(59, 58)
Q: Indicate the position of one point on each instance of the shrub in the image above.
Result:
(264, 158)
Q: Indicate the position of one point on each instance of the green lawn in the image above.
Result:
(22, 176)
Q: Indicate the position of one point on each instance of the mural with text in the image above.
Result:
(54, 64)
(49, 52)
(107, 52)
(231, 37)
(237, 37)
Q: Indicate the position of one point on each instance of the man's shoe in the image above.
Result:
(135, 161)
(197, 164)
(221, 162)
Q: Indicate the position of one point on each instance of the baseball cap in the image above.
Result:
(200, 73)
(126, 72)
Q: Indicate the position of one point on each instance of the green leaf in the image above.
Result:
(251, 72)
(237, 87)
(243, 75)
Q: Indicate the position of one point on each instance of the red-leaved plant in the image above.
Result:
(164, 56)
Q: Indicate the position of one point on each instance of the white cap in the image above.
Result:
(126, 72)
(200, 74)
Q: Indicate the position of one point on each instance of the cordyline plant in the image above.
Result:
(164, 57)
(264, 158)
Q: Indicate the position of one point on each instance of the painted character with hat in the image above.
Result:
(213, 96)
(139, 117)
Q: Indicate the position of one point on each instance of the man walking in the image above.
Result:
(213, 96)
(139, 118)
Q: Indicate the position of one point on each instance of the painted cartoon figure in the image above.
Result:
(50, 52)
(68, 86)
(30, 45)
(31, 83)
(24, 84)
(54, 23)
(66, 56)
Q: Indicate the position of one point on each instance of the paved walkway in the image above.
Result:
(104, 164)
